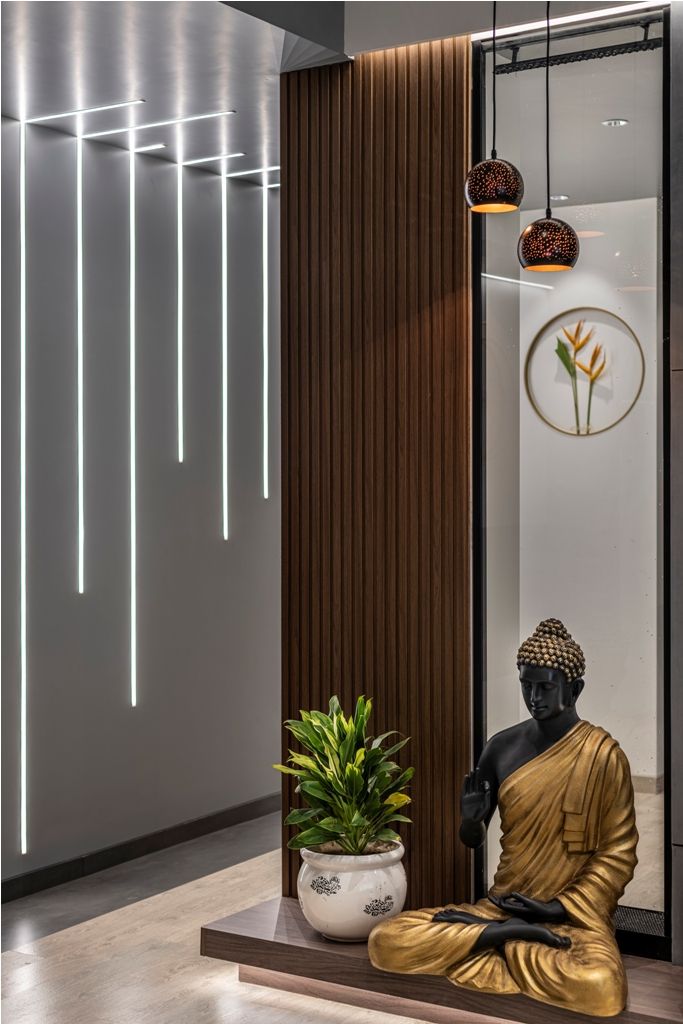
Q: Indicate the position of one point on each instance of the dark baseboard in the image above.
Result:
(654, 947)
(56, 874)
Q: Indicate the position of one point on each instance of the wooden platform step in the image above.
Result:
(275, 946)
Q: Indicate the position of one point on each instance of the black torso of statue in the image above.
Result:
(564, 792)
(551, 702)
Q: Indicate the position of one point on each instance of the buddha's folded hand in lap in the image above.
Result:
(564, 792)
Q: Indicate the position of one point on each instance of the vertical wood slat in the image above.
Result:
(376, 391)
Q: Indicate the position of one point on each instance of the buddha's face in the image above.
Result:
(546, 691)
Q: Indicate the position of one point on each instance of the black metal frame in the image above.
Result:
(478, 224)
(639, 943)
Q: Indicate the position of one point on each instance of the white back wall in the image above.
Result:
(503, 402)
(205, 730)
(588, 506)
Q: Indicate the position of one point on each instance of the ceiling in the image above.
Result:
(183, 58)
(373, 25)
(590, 162)
(198, 56)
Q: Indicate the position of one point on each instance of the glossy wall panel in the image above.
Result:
(376, 337)
(99, 771)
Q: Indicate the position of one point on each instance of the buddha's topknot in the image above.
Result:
(551, 645)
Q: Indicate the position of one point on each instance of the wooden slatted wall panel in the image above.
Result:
(376, 341)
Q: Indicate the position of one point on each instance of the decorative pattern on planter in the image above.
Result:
(326, 886)
(375, 908)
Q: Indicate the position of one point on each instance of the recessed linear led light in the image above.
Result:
(638, 288)
(254, 170)
(275, 185)
(148, 149)
(590, 233)
(180, 325)
(224, 352)
(615, 122)
(264, 279)
(522, 284)
(23, 604)
(559, 198)
(79, 364)
(83, 110)
(132, 324)
(571, 19)
(158, 124)
(211, 159)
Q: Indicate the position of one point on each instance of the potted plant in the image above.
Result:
(352, 875)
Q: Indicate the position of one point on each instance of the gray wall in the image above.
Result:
(206, 728)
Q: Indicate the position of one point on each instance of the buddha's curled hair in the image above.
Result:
(551, 645)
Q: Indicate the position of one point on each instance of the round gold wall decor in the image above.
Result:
(584, 371)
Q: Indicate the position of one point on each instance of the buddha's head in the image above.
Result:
(551, 666)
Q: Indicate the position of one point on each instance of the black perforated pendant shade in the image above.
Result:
(494, 186)
(548, 244)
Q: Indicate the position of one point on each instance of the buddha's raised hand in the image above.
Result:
(475, 801)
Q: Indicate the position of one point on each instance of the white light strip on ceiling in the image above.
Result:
(150, 149)
(254, 170)
(266, 490)
(212, 159)
(224, 350)
(83, 110)
(569, 19)
(159, 124)
(79, 363)
(181, 302)
(132, 438)
(276, 185)
(522, 284)
(23, 724)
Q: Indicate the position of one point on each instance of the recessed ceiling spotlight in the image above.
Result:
(148, 149)
(559, 198)
(615, 122)
(590, 233)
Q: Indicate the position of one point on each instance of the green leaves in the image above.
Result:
(568, 360)
(311, 837)
(300, 814)
(562, 351)
(350, 785)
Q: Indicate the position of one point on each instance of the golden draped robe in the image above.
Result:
(569, 833)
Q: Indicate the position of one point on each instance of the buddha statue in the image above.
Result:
(563, 787)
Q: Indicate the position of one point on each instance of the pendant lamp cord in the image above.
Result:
(493, 141)
(548, 211)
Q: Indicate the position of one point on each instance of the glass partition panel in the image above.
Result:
(573, 465)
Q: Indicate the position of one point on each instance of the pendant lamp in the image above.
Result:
(494, 186)
(548, 244)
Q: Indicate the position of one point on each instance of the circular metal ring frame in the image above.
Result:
(567, 314)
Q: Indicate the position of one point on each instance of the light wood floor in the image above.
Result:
(141, 965)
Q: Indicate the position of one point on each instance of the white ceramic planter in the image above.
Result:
(344, 897)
